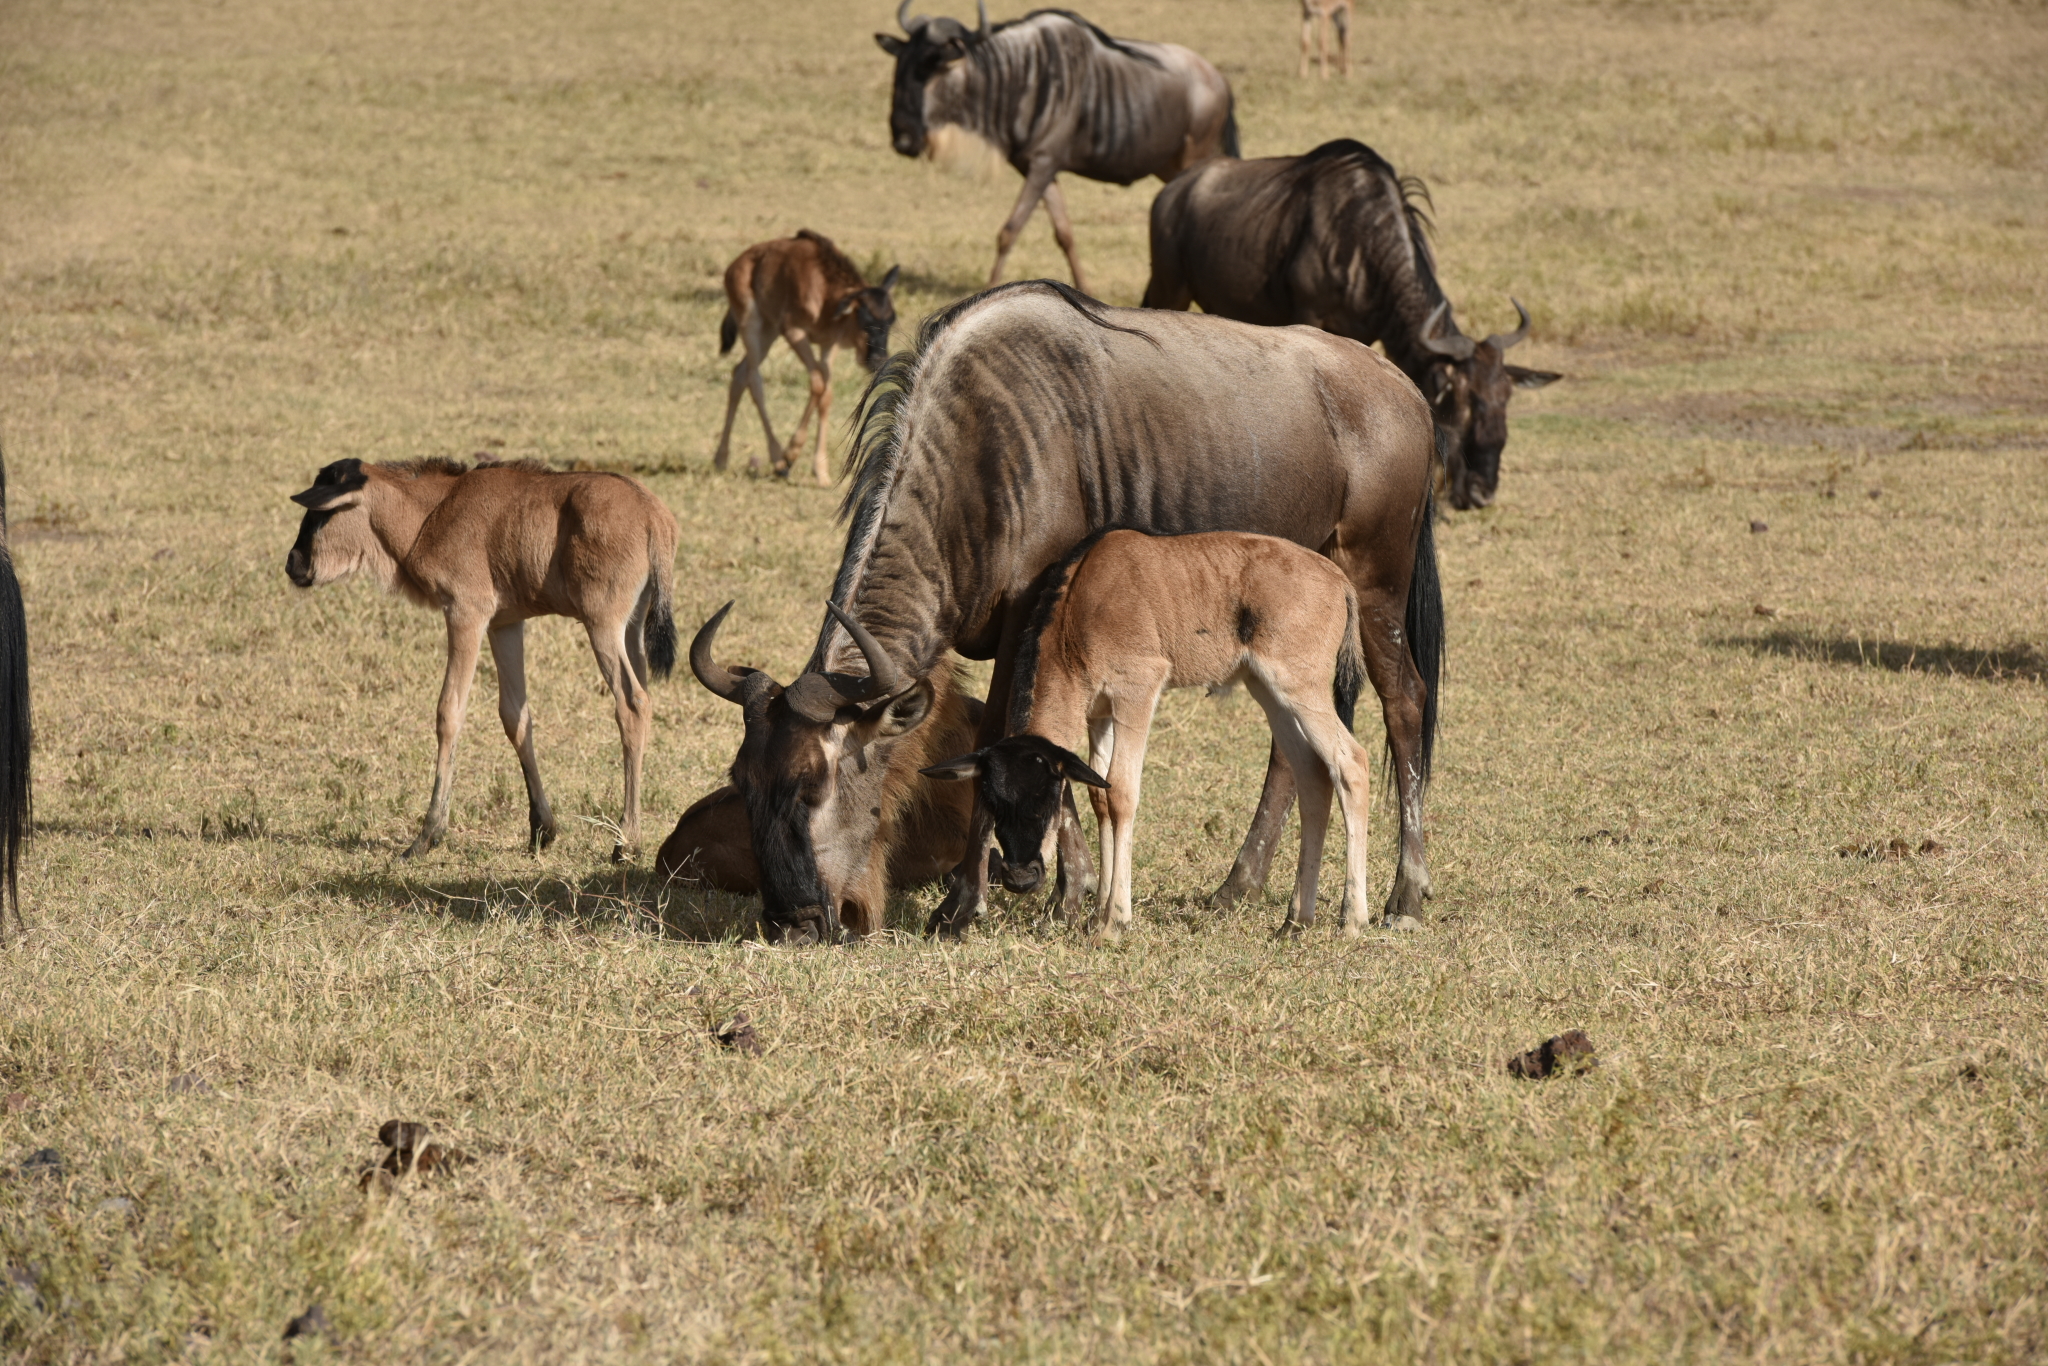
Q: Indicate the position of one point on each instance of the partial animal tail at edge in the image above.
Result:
(728, 333)
(1230, 144)
(1350, 665)
(1425, 628)
(661, 613)
(15, 735)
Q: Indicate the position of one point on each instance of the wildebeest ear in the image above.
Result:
(904, 711)
(889, 280)
(956, 770)
(328, 498)
(1530, 379)
(889, 43)
(1072, 767)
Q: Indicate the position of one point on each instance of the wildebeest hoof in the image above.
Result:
(539, 836)
(425, 844)
(1290, 930)
(622, 854)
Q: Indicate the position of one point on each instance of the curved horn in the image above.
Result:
(1455, 346)
(1519, 334)
(885, 679)
(982, 7)
(717, 679)
(903, 16)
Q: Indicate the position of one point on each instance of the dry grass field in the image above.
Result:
(1790, 256)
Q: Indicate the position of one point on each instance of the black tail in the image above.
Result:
(728, 333)
(1350, 666)
(1425, 627)
(1230, 144)
(660, 629)
(14, 721)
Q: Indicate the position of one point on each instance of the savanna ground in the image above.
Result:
(1790, 256)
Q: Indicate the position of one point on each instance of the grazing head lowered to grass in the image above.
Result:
(1335, 239)
(983, 459)
(1049, 93)
(491, 547)
(1125, 618)
(804, 290)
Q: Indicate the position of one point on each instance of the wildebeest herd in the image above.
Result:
(1106, 502)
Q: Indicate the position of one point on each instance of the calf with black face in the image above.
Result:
(489, 548)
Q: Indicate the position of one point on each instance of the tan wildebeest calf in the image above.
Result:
(491, 547)
(1124, 618)
(804, 290)
(1317, 17)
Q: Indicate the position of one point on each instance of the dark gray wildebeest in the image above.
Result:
(1049, 93)
(1337, 240)
(1125, 617)
(490, 548)
(803, 290)
(1026, 419)
(15, 806)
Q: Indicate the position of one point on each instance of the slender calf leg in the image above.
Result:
(1027, 200)
(1341, 17)
(1255, 858)
(1063, 229)
(732, 407)
(821, 401)
(1308, 27)
(465, 641)
(802, 346)
(1133, 725)
(757, 349)
(508, 652)
(1315, 783)
(634, 706)
(636, 634)
(1354, 770)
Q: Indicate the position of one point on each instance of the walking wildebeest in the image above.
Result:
(1125, 617)
(921, 836)
(1028, 417)
(1051, 92)
(1317, 18)
(804, 290)
(492, 547)
(1335, 239)
(15, 739)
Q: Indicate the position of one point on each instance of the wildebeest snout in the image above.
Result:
(1023, 877)
(298, 567)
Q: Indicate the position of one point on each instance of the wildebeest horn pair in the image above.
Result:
(816, 696)
(1461, 348)
(909, 25)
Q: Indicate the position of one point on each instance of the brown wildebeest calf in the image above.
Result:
(804, 290)
(492, 547)
(1317, 17)
(1128, 616)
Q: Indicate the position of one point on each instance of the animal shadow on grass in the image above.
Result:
(2014, 663)
(601, 900)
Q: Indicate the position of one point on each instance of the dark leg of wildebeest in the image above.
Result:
(1391, 667)
(967, 884)
(1255, 856)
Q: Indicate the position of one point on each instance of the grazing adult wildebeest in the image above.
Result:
(15, 803)
(804, 290)
(1027, 418)
(1127, 616)
(1049, 93)
(491, 547)
(1337, 240)
(921, 836)
(1317, 18)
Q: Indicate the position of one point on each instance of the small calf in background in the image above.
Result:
(1124, 618)
(804, 290)
(491, 547)
(1317, 17)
